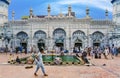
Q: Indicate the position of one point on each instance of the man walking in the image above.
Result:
(39, 63)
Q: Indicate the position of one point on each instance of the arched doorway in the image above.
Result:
(96, 43)
(41, 44)
(24, 45)
(40, 36)
(78, 43)
(78, 38)
(59, 43)
(97, 38)
(22, 40)
(59, 37)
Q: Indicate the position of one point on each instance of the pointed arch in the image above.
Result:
(40, 34)
(59, 33)
(78, 34)
(22, 35)
(97, 36)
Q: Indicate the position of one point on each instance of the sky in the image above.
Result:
(97, 7)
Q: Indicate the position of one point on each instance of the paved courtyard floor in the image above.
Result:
(111, 70)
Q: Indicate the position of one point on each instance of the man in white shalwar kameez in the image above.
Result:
(39, 63)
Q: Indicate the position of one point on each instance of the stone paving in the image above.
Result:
(111, 70)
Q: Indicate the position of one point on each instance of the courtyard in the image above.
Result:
(102, 69)
(75, 28)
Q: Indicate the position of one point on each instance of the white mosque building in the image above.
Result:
(66, 31)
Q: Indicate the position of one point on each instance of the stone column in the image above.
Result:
(51, 44)
(67, 46)
(48, 43)
(84, 43)
(72, 43)
(90, 41)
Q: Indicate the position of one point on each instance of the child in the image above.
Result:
(18, 60)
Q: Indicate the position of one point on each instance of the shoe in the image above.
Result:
(35, 74)
(104, 64)
(87, 65)
(45, 75)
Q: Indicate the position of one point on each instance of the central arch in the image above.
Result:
(41, 44)
(59, 35)
(97, 37)
(22, 39)
(78, 37)
(78, 43)
(40, 36)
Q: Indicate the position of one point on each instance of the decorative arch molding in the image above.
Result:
(41, 41)
(59, 33)
(78, 34)
(97, 36)
(22, 35)
(97, 32)
(78, 41)
(40, 35)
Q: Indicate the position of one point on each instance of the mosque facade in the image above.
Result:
(62, 30)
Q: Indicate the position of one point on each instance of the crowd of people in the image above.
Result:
(95, 52)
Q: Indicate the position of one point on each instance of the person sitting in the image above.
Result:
(18, 60)
(66, 51)
(83, 58)
(10, 60)
(58, 61)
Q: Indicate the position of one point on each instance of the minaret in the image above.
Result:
(69, 11)
(13, 15)
(106, 14)
(87, 12)
(4, 11)
(49, 10)
(31, 13)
